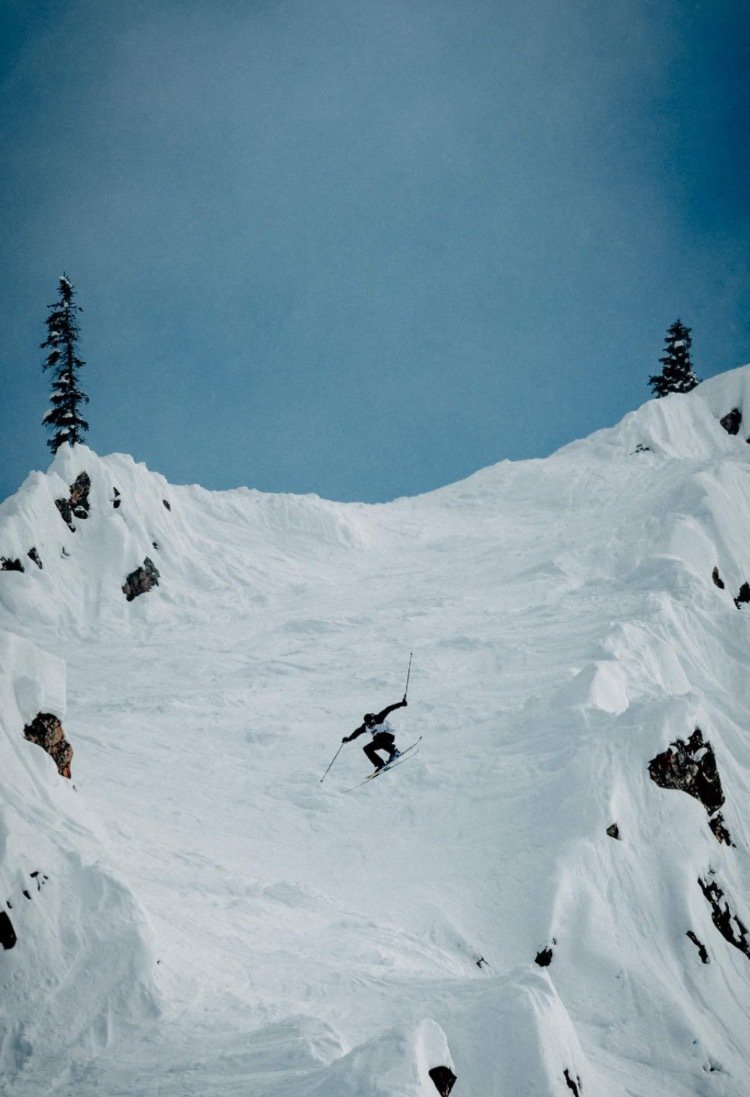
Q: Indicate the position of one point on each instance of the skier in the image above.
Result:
(383, 737)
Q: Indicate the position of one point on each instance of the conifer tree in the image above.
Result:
(64, 416)
(677, 368)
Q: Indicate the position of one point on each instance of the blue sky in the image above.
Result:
(366, 248)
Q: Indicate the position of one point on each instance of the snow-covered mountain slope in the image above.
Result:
(210, 918)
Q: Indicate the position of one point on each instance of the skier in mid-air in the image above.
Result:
(383, 737)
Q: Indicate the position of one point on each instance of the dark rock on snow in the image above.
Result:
(444, 1080)
(117, 499)
(10, 565)
(691, 767)
(732, 421)
(47, 732)
(34, 555)
(39, 878)
(720, 829)
(732, 928)
(7, 933)
(573, 1084)
(700, 946)
(614, 831)
(66, 512)
(141, 580)
(718, 581)
(743, 596)
(77, 504)
(544, 956)
(79, 495)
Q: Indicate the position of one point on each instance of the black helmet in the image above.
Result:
(369, 717)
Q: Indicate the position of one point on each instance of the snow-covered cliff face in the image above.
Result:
(76, 965)
(205, 916)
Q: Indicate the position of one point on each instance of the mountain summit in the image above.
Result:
(552, 897)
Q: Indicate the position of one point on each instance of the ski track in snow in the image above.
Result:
(289, 939)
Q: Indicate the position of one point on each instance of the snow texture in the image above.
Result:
(197, 913)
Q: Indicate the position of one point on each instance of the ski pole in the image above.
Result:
(322, 779)
(408, 673)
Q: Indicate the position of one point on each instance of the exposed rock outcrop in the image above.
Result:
(7, 564)
(141, 580)
(39, 878)
(117, 498)
(444, 1080)
(7, 933)
(79, 495)
(47, 732)
(66, 512)
(614, 831)
(700, 946)
(544, 956)
(732, 928)
(718, 581)
(573, 1083)
(743, 596)
(691, 767)
(8, 936)
(77, 504)
(732, 421)
(720, 829)
(34, 555)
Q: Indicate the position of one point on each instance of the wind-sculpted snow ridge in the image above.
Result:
(76, 969)
(198, 541)
(573, 621)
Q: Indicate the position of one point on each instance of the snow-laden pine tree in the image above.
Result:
(64, 416)
(677, 368)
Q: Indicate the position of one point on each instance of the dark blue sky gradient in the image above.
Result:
(365, 248)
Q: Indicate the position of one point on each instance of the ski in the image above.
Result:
(389, 765)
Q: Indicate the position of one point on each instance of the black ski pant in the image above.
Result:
(382, 740)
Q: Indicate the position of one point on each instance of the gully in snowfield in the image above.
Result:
(383, 737)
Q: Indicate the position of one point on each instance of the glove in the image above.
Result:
(404, 702)
(345, 739)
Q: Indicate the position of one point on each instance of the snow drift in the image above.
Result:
(207, 916)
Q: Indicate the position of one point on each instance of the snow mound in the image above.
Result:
(726, 392)
(684, 426)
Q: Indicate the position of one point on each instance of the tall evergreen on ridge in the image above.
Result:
(64, 416)
(677, 368)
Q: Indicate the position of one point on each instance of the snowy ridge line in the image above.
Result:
(659, 684)
(195, 539)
